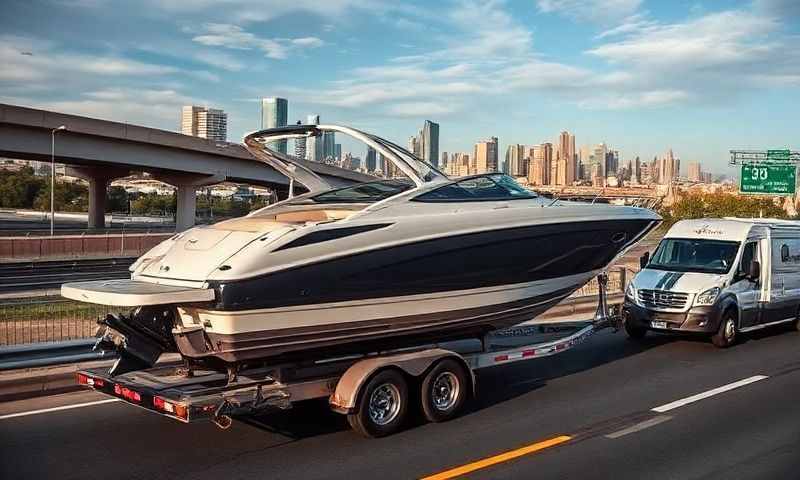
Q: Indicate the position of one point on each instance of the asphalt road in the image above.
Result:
(597, 400)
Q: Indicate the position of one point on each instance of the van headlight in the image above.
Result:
(708, 297)
(630, 292)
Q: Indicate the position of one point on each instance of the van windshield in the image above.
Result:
(693, 255)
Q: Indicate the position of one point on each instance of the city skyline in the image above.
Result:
(641, 74)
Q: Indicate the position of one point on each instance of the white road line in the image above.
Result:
(57, 409)
(709, 393)
(639, 426)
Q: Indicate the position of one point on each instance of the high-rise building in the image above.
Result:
(371, 160)
(328, 147)
(515, 161)
(636, 174)
(540, 167)
(485, 159)
(430, 142)
(313, 144)
(695, 173)
(337, 152)
(598, 164)
(414, 146)
(612, 163)
(275, 113)
(566, 159)
(443, 162)
(668, 168)
(204, 122)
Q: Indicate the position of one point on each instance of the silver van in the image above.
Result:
(719, 277)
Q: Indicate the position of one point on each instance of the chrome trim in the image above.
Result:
(765, 325)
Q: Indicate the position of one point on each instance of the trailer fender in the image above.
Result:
(414, 364)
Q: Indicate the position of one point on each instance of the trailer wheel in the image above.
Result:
(727, 333)
(444, 390)
(382, 405)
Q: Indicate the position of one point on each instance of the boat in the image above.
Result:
(412, 256)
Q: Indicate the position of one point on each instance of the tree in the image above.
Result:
(117, 200)
(19, 189)
(69, 197)
(718, 205)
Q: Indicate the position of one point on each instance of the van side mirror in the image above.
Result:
(754, 270)
(644, 260)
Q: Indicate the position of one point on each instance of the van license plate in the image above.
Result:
(658, 324)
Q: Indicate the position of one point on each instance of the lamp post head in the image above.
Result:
(59, 128)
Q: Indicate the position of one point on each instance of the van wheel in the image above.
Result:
(382, 406)
(444, 390)
(633, 331)
(726, 335)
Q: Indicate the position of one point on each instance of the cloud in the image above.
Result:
(158, 108)
(655, 98)
(590, 10)
(421, 109)
(219, 60)
(235, 37)
(725, 38)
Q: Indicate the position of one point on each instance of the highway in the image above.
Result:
(40, 275)
(663, 408)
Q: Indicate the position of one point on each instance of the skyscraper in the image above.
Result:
(371, 159)
(313, 144)
(695, 172)
(540, 168)
(275, 113)
(328, 147)
(515, 161)
(430, 143)
(485, 158)
(337, 152)
(612, 163)
(636, 175)
(598, 164)
(566, 158)
(204, 122)
(413, 146)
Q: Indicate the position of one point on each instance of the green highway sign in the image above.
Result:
(778, 155)
(768, 179)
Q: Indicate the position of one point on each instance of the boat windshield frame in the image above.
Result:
(428, 196)
(419, 171)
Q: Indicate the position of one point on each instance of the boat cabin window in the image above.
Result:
(479, 188)
(369, 192)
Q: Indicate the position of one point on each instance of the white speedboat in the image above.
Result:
(384, 264)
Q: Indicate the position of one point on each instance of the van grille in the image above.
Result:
(663, 299)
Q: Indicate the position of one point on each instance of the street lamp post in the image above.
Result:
(53, 176)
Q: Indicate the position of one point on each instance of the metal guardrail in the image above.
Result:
(44, 354)
(48, 319)
(38, 275)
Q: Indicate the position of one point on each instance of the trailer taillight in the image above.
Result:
(89, 381)
(176, 409)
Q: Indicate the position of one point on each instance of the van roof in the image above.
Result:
(728, 228)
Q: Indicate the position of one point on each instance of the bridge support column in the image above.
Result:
(186, 186)
(98, 178)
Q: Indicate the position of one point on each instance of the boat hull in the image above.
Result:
(367, 325)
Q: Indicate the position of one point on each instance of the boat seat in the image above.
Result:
(313, 216)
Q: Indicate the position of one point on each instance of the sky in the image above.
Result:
(643, 76)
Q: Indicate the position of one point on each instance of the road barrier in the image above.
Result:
(78, 246)
(45, 354)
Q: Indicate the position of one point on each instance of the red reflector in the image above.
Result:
(83, 379)
(98, 382)
(158, 402)
(501, 358)
(529, 353)
(127, 393)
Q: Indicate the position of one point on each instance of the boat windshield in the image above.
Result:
(693, 255)
(370, 192)
(491, 187)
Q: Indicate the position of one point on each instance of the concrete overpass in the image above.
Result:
(101, 151)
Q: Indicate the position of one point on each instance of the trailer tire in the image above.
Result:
(728, 330)
(444, 390)
(382, 406)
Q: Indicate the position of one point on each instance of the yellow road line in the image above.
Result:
(503, 457)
